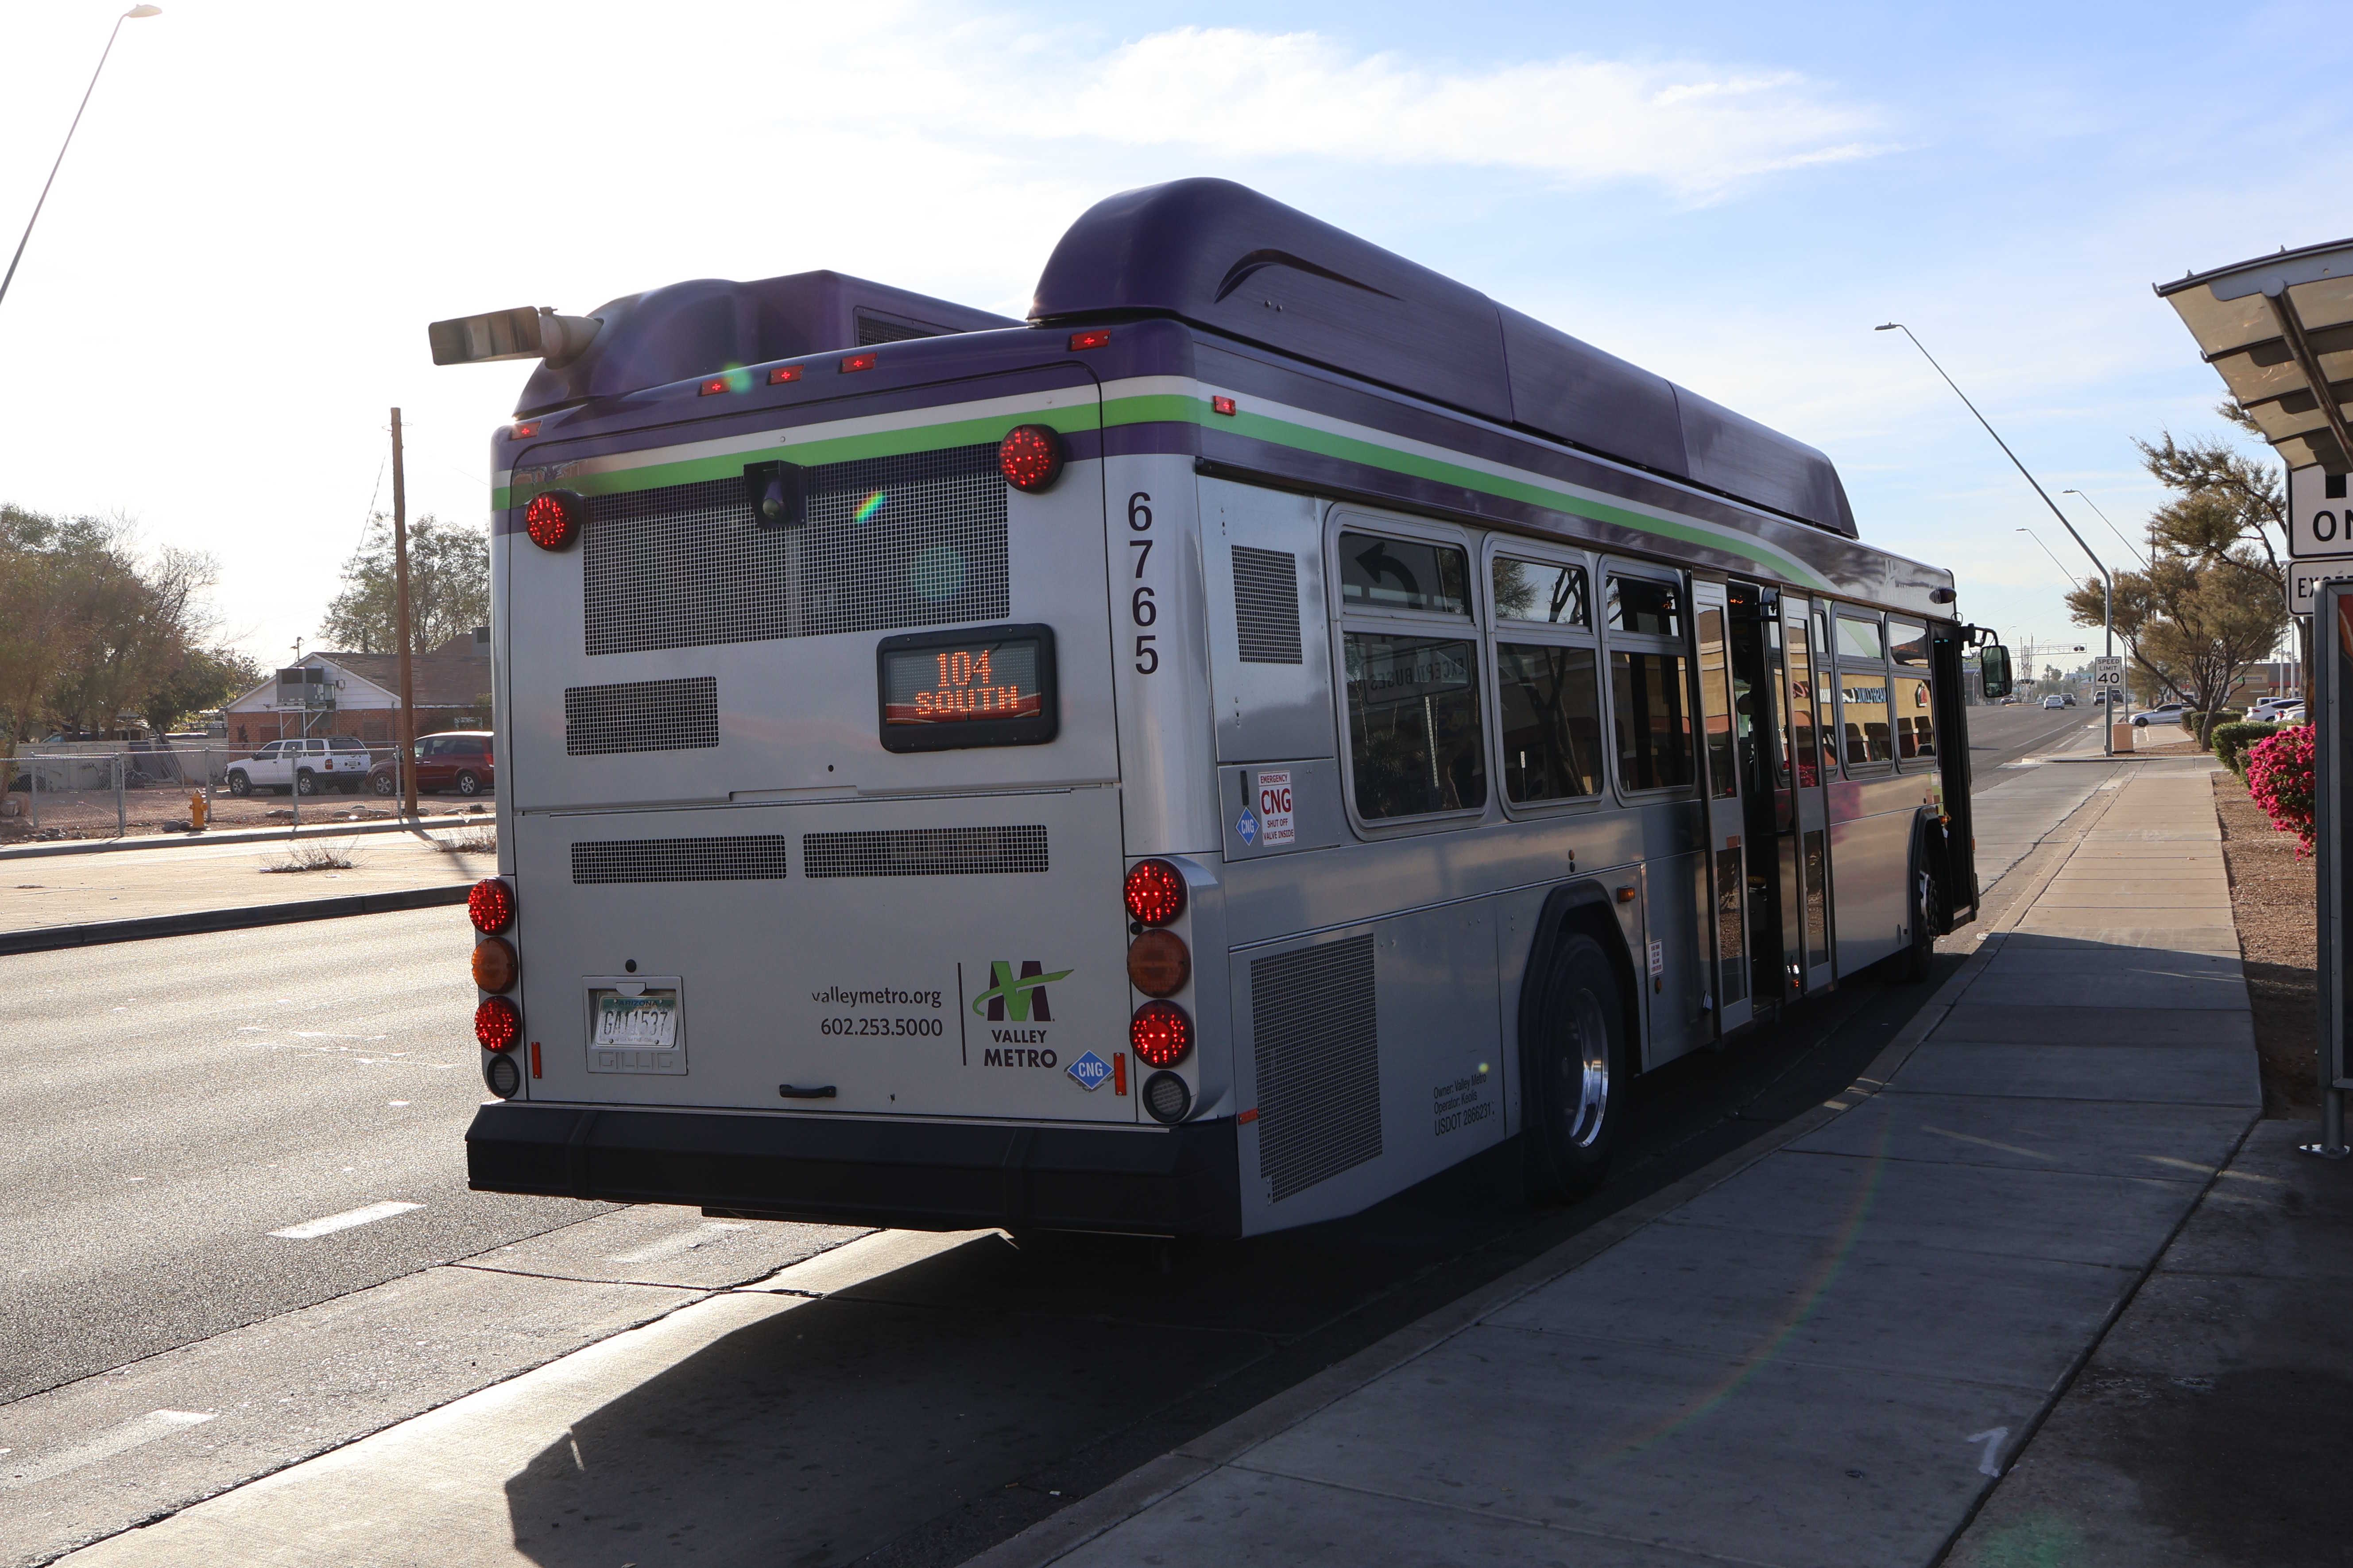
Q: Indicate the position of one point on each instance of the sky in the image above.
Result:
(266, 203)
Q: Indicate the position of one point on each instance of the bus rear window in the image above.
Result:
(1403, 574)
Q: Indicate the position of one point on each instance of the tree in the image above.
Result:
(207, 679)
(449, 588)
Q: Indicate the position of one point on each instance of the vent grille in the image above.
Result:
(926, 852)
(756, 858)
(686, 566)
(641, 716)
(1266, 606)
(872, 329)
(1319, 1064)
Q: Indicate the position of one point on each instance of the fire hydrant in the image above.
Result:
(196, 812)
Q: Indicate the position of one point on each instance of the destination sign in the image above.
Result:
(990, 688)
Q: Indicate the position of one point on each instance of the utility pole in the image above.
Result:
(405, 731)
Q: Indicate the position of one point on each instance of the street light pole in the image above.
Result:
(2119, 532)
(2109, 724)
(136, 11)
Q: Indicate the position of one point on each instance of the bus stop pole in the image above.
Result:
(2328, 702)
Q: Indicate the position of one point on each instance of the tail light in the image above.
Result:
(497, 1024)
(1158, 963)
(1155, 891)
(1160, 1034)
(554, 518)
(491, 905)
(1031, 457)
(494, 964)
(1167, 1097)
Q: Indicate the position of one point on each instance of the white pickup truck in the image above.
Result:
(328, 762)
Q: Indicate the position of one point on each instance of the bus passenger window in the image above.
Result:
(1539, 590)
(1805, 759)
(1864, 700)
(1551, 721)
(1654, 715)
(1639, 604)
(1403, 574)
(1859, 638)
(1414, 739)
(1907, 643)
(1915, 725)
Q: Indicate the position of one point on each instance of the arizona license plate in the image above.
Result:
(648, 1022)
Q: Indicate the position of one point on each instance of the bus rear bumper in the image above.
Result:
(848, 1171)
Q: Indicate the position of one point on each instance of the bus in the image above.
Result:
(1261, 731)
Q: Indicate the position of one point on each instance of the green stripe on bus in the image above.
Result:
(1172, 408)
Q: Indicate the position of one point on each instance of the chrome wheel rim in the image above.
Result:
(1585, 1068)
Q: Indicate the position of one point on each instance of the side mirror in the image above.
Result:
(1993, 670)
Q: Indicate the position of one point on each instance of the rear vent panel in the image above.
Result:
(1266, 606)
(926, 852)
(759, 857)
(1317, 1046)
(872, 329)
(641, 716)
(916, 539)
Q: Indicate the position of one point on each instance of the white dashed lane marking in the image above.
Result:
(311, 1229)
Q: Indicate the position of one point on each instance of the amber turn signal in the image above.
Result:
(494, 964)
(1158, 963)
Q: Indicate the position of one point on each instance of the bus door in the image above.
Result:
(1758, 727)
(1812, 759)
(1726, 937)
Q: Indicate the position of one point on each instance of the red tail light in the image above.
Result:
(553, 519)
(497, 1024)
(491, 905)
(1160, 1033)
(1155, 891)
(1030, 457)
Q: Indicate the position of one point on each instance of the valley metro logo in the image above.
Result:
(1021, 999)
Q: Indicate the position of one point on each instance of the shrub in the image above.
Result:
(2191, 717)
(2279, 777)
(2231, 741)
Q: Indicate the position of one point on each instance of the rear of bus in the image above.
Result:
(810, 826)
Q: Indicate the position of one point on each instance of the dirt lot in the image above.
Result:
(90, 814)
(2271, 903)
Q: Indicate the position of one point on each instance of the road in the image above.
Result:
(2000, 736)
(176, 1102)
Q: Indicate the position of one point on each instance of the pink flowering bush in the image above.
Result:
(2279, 777)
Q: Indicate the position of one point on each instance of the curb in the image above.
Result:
(234, 836)
(98, 933)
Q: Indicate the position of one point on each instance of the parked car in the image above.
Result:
(2166, 713)
(2267, 709)
(305, 767)
(2293, 714)
(461, 760)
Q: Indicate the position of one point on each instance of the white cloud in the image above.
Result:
(1694, 129)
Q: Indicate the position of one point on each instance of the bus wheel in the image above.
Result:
(1928, 913)
(1574, 1074)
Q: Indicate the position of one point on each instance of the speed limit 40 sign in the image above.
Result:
(2319, 520)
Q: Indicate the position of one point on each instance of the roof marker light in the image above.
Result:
(859, 361)
(1092, 338)
(782, 374)
(526, 430)
(717, 385)
(1221, 404)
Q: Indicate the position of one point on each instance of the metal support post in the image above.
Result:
(2330, 705)
(122, 808)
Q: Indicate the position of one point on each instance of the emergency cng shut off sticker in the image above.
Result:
(1090, 1070)
(1274, 818)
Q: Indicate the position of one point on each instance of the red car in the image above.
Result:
(456, 758)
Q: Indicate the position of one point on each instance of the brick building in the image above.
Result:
(358, 694)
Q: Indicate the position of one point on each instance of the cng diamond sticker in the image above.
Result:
(1246, 827)
(1090, 1070)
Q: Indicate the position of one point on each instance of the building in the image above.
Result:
(358, 694)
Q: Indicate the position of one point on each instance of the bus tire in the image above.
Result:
(1573, 1073)
(1928, 913)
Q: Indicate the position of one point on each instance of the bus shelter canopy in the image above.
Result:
(2279, 328)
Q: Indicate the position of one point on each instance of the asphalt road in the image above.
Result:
(2003, 735)
(172, 1103)
(168, 1104)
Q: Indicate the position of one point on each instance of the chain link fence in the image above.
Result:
(110, 789)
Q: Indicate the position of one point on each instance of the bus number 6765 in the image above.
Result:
(1141, 610)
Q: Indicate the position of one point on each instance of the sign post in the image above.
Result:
(2332, 820)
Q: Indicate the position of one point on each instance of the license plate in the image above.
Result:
(642, 1023)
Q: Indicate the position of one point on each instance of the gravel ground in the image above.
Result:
(90, 814)
(2271, 900)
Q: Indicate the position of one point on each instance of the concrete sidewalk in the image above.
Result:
(172, 888)
(1828, 1355)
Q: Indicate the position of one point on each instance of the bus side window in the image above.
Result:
(1862, 698)
(1551, 720)
(1417, 746)
(1916, 724)
(1649, 694)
